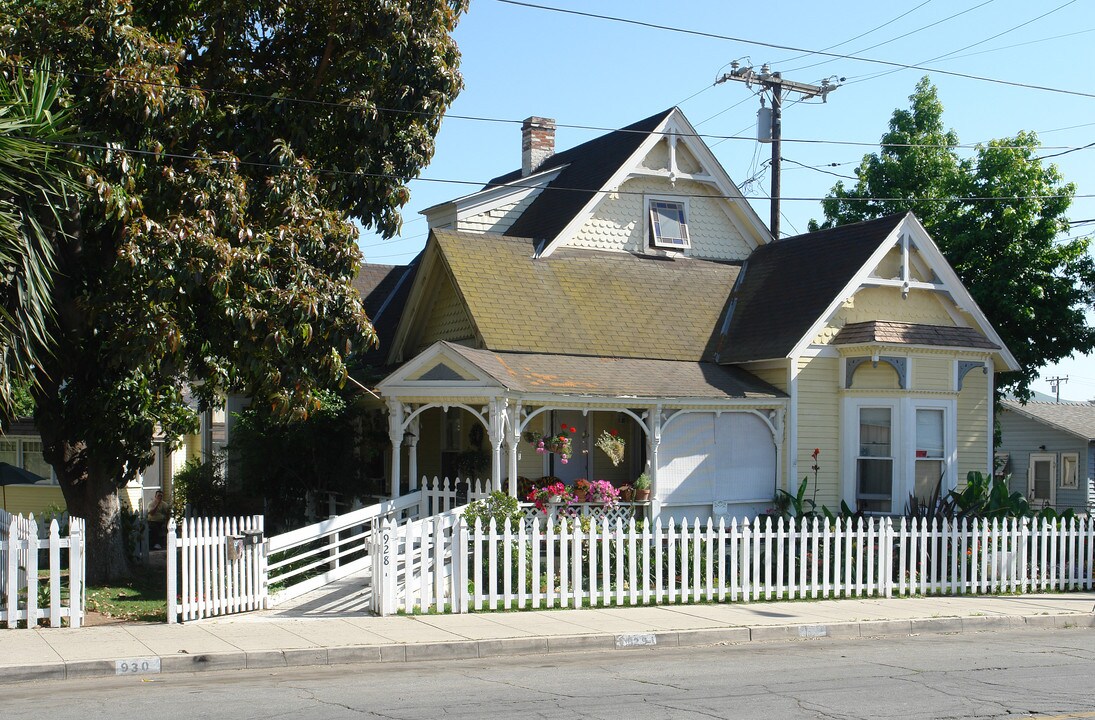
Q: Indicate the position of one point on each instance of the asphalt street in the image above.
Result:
(1023, 673)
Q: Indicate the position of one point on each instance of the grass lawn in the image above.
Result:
(142, 598)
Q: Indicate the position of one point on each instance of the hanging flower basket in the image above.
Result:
(612, 445)
(558, 443)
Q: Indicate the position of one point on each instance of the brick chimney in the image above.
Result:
(537, 143)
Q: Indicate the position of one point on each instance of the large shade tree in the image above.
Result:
(1000, 218)
(228, 147)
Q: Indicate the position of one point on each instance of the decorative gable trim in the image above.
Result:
(677, 128)
(421, 374)
(490, 198)
(910, 233)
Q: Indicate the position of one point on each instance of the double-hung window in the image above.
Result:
(668, 224)
(895, 448)
(875, 463)
(929, 459)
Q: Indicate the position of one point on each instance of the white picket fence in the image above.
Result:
(213, 569)
(439, 564)
(27, 598)
(215, 566)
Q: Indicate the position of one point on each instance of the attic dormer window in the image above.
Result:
(668, 224)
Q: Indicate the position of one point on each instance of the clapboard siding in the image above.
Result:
(819, 426)
(1021, 436)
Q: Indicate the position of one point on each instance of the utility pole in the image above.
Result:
(775, 84)
(1056, 383)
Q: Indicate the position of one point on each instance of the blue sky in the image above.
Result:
(521, 61)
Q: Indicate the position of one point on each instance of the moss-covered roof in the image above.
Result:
(586, 302)
(617, 377)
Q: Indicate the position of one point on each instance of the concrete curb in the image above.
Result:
(474, 649)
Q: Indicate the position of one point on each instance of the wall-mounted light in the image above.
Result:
(1042, 448)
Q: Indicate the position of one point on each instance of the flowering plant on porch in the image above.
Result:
(602, 491)
(612, 445)
(554, 493)
(558, 443)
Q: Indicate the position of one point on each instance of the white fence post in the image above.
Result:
(172, 572)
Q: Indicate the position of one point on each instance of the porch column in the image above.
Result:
(655, 441)
(496, 427)
(412, 453)
(395, 434)
(513, 436)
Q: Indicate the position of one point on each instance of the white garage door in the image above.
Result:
(704, 457)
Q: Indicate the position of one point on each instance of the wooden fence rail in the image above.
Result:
(25, 596)
(440, 564)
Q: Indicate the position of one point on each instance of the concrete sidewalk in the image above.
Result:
(265, 641)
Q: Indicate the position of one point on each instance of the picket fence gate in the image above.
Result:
(440, 564)
(27, 598)
(215, 566)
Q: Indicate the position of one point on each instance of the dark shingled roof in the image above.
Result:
(1074, 418)
(384, 290)
(883, 331)
(616, 377)
(589, 166)
(787, 284)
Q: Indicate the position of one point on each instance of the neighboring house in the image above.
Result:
(1048, 450)
(626, 285)
(21, 446)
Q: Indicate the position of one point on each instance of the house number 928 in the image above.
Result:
(387, 546)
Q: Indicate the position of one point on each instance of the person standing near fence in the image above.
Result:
(158, 513)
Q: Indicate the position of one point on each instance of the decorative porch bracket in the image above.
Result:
(964, 368)
(899, 364)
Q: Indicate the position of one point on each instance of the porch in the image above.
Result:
(707, 438)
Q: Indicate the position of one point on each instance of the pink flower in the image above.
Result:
(563, 460)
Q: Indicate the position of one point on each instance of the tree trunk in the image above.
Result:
(95, 500)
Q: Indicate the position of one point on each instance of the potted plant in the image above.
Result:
(581, 490)
(642, 487)
(602, 491)
(611, 444)
(558, 443)
(627, 493)
(553, 494)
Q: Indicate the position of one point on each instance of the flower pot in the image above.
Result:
(627, 494)
(581, 495)
(642, 495)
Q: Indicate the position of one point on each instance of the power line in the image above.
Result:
(1015, 45)
(979, 42)
(820, 170)
(903, 35)
(571, 126)
(792, 48)
(845, 42)
(479, 183)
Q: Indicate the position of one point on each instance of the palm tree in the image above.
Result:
(36, 189)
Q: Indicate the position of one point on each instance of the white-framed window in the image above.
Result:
(874, 466)
(1070, 470)
(1042, 478)
(26, 453)
(895, 448)
(929, 462)
(667, 221)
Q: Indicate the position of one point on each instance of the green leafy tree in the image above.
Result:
(36, 189)
(228, 148)
(1033, 285)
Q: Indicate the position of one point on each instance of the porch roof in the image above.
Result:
(616, 377)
